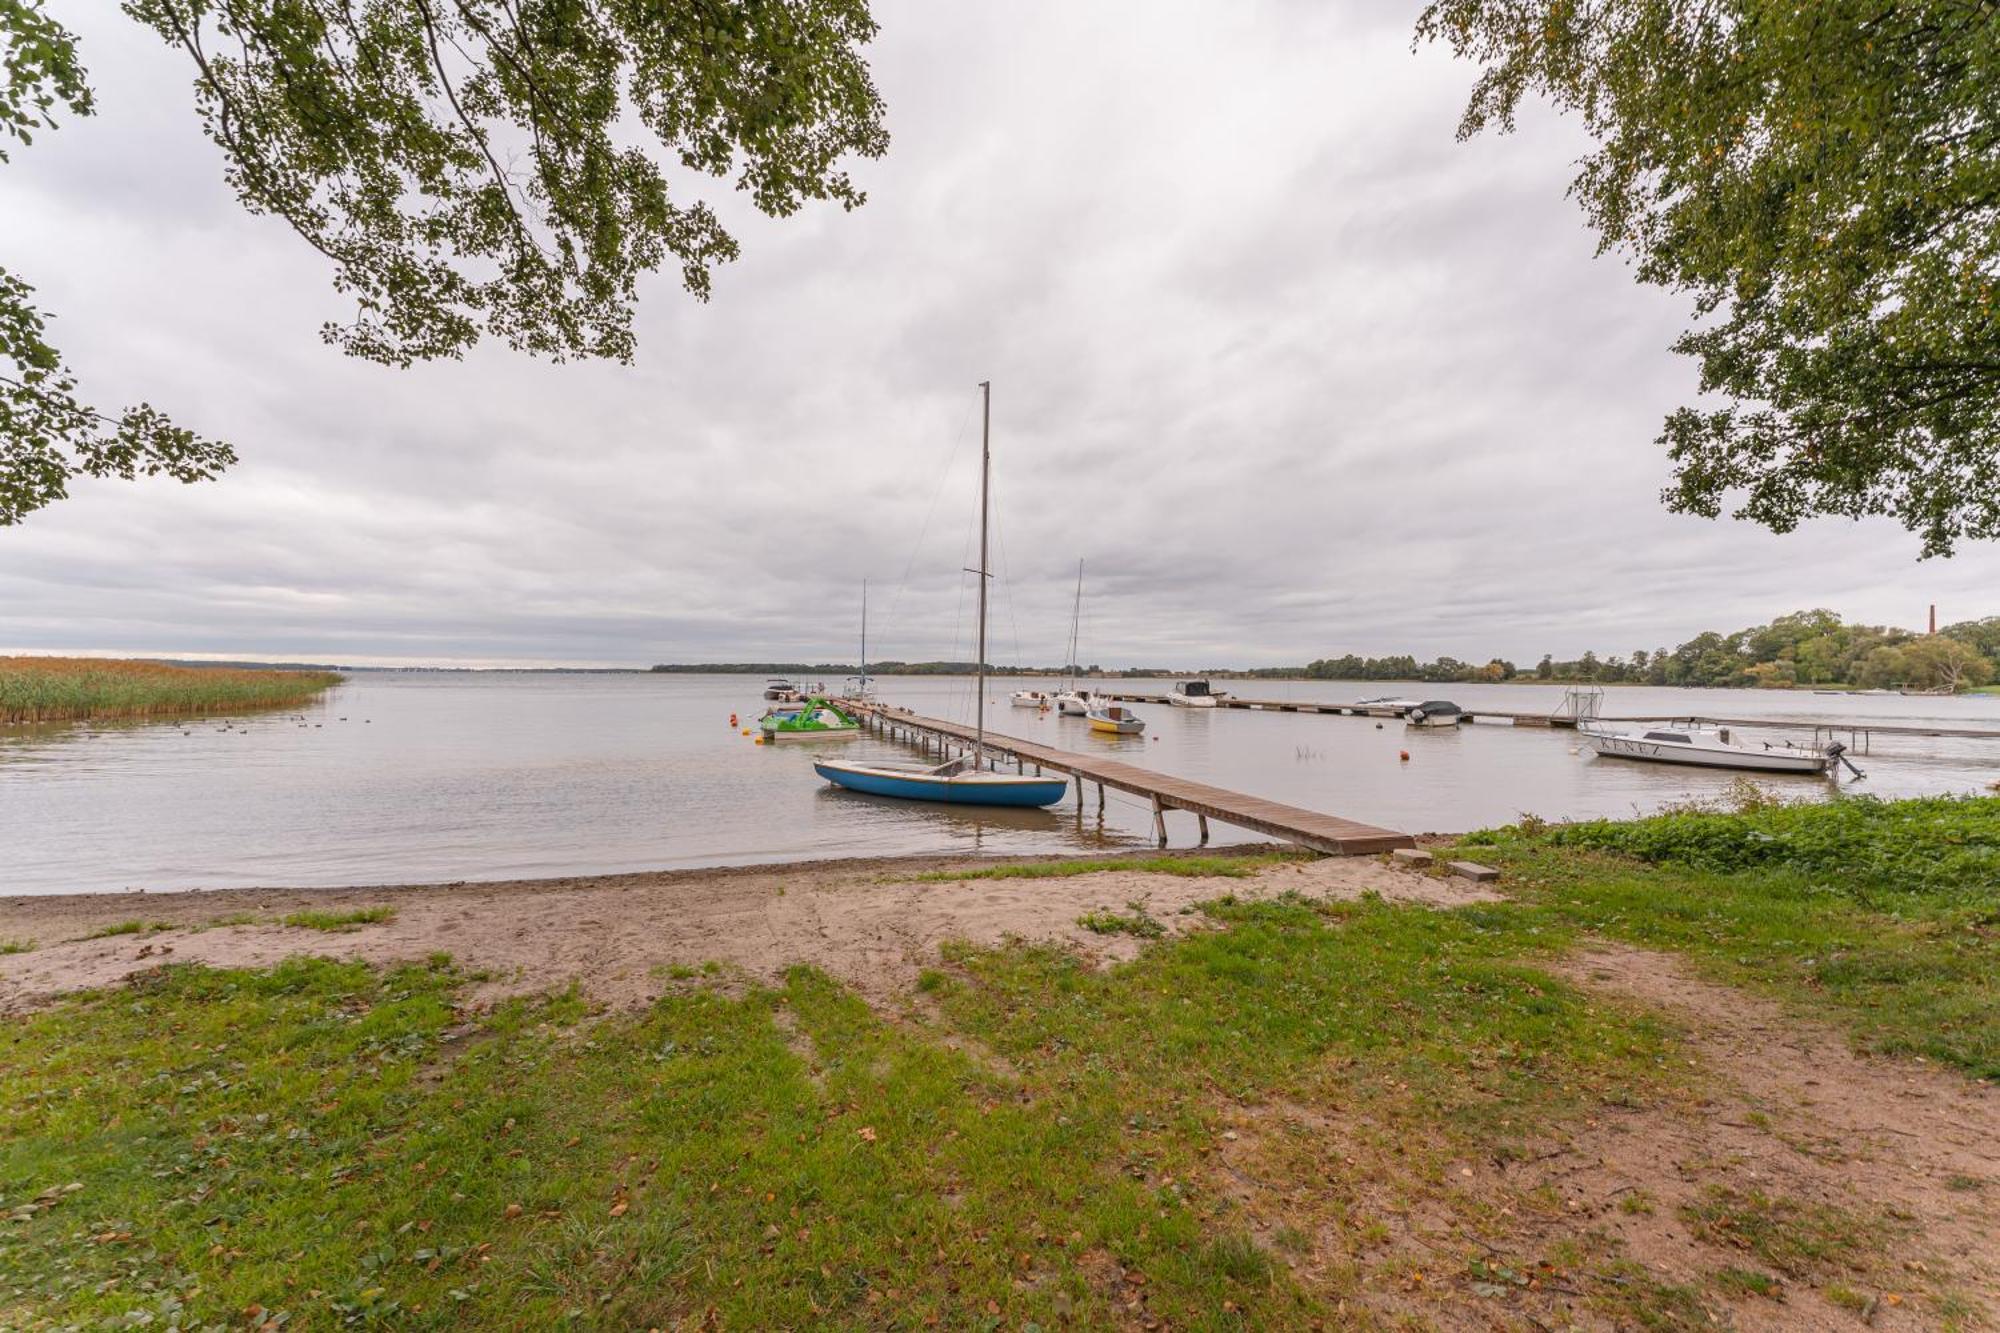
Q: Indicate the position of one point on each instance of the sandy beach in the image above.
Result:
(874, 924)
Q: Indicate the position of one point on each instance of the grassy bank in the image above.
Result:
(1309, 1114)
(70, 689)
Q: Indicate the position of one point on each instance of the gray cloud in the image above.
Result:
(1293, 371)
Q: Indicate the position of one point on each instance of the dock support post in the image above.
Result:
(1203, 821)
(1159, 822)
(1100, 800)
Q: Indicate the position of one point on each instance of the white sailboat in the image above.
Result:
(1071, 701)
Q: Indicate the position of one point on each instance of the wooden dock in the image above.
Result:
(1289, 823)
(1505, 718)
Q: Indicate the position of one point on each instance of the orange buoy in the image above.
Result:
(1404, 755)
(732, 719)
(746, 731)
(758, 741)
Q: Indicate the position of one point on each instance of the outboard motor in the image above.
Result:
(1838, 752)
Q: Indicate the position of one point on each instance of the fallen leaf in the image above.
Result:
(618, 1209)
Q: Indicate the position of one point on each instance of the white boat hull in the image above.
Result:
(1199, 701)
(1434, 720)
(1713, 755)
(1073, 705)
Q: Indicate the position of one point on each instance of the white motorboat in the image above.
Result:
(1701, 748)
(1032, 699)
(1435, 713)
(1387, 705)
(1193, 694)
(1075, 703)
(779, 688)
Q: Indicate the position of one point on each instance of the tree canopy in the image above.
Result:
(1824, 180)
(467, 168)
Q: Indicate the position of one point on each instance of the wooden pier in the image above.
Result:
(1289, 823)
(1504, 718)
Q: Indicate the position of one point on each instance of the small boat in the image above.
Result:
(1704, 749)
(1117, 719)
(1193, 694)
(815, 720)
(1387, 705)
(1071, 701)
(1435, 713)
(965, 780)
(779, 688)
(1032, 699)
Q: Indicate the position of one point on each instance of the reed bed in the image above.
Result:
(73, 689)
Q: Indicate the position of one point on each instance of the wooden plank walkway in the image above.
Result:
(1565, 720)
(1307, 828)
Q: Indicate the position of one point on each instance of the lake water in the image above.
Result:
(414, 777)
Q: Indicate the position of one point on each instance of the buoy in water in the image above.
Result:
(758, 741)
(1404, 755)
(1378, 726)
(746, 731)
(732, 720)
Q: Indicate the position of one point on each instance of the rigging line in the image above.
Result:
(1007, 581)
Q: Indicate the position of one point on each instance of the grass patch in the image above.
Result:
(128, 928)
(15, 946)
(1798, 1239)
(342, 1145)
(349, 920)
(1218, 867)
(1135, 920)
(1910, 967)
(68, 689)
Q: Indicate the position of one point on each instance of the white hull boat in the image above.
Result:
(1031, 699)
(1193, 694)
(1435, 713)
(1075, 703)
(1704, 749)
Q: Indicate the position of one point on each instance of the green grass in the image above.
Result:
(63, 689)
(1910, 963)
(360, 916)
(128, 928)
(1220, 867)
(15, 946)
(346, 1147)
(1135, 920)
(1797, 1239)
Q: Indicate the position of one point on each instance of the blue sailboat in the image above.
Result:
(966, 780)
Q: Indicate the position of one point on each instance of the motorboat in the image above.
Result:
(1075, 703)
(965, 780)
(779, 688)
(1032, 699)
(1435, 713)
(1703, 748)
(1116, 719)
(1193, 694)
(1387, 705)
(815, 720)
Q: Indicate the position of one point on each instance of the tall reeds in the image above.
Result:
(70, 689)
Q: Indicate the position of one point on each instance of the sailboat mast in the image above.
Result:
(864, 638)
(1075, 628)
(985, 476)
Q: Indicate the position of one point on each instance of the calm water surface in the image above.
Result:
(400, 777)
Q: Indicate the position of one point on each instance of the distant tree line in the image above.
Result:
(1805, 648)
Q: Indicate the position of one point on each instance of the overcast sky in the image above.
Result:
(1292, 371)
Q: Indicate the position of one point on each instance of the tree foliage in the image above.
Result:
(466, 167)
(1824, 180)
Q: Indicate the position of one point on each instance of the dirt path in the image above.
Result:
(873, 924)
(1794, 1115)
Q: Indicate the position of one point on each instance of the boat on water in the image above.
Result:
(780, 689)
(1071, 701)
(1193, 694)
(1032, 699)
(1703, 748)
(1435, 713)
(1387, 705)
(1116, 719)
(818, 719)
(965, 780)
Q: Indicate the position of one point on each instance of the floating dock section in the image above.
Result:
(1288, 823)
